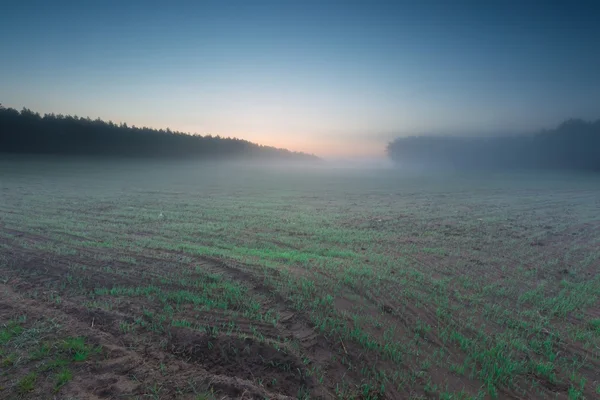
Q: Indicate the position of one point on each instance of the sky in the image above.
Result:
(333, 78)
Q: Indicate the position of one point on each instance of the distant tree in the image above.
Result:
(574, 144)
(26, 132)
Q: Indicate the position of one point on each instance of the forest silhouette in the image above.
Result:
(573, 145)
(27, 132)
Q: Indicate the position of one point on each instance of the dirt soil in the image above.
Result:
(181, 362)
(176, 363)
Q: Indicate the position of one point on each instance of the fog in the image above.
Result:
(573, 145)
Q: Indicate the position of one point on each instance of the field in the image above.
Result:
(199, 281)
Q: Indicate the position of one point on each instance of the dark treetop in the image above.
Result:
(27, 132)
(574, 144)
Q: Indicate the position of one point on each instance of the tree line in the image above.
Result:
(574, 144)
(28, 132)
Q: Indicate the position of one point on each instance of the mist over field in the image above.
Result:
(213, 267)
(573, 146)
(337, 200)
(273, 279)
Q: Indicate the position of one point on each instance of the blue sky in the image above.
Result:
(328, 77)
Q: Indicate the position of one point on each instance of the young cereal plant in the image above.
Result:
(62, 378)
(78, 349)
(41, 352)
(27, 383)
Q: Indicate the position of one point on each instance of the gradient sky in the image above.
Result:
(335, 78)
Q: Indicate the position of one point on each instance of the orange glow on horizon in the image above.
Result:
(324, 147)
(319, 145)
